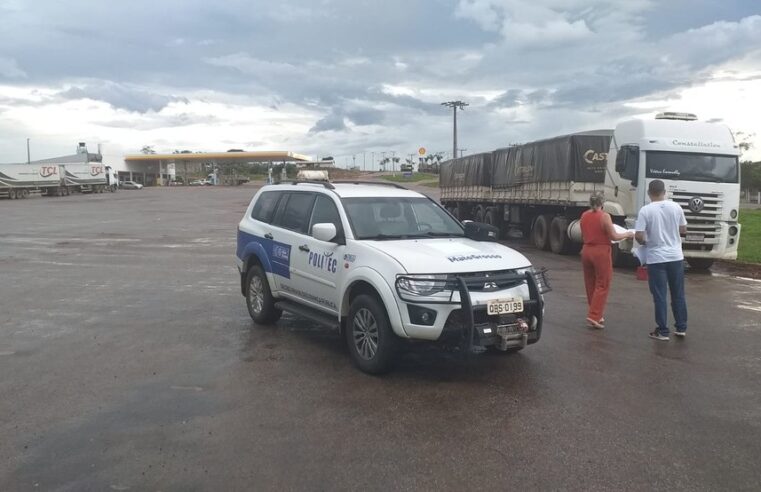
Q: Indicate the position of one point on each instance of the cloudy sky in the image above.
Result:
(343, 77)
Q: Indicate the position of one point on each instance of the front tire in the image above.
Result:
(259, 300)
(371, 341)
(700, 264)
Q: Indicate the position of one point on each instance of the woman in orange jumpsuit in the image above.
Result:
(598, 232)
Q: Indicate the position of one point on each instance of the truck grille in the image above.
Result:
(705, 221)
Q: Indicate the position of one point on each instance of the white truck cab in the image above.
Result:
(698, 162)
(381, 264)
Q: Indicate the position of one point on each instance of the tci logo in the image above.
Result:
(96, 170)
(590, 156)
(47, 171)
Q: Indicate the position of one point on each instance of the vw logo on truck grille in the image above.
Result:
(696, 204)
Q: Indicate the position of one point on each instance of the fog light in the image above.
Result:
(733, 230)
(731, 240)
(733, 214)
(421, 316)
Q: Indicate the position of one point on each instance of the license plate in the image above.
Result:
(504, 306)
(695, 237)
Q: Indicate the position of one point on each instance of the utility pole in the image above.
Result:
(28, 158)
(364, 161)
(372, 160)
(353, 161)
(454, 105)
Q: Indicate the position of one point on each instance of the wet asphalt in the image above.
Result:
(128, 362)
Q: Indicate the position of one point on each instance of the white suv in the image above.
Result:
(382, 263)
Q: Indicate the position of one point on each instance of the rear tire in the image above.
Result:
(540, 232)
(560, 243)
(371, 342)
(259, 300)
(700, 264)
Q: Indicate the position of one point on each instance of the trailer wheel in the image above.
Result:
(12, 194)
(560, 243)
(25, 193)
(540, 233)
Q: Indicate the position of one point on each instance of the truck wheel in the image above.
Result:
(369, 337)
(701, 264)
(259, 300)
(24, 193)
(540, 233)
(560, 243)
(12, 194)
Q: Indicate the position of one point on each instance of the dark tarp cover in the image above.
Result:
(470, 170)
(579, 157)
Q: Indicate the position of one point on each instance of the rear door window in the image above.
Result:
(294, 214)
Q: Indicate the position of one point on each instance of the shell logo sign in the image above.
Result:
(47, 171)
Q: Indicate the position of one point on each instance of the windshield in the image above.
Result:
(399, 218)
(692, 167)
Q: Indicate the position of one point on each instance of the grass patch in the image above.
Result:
(749, 249)
(432, 184)
(399, 178)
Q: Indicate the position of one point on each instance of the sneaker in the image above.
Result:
(681, 334)
(657, 336)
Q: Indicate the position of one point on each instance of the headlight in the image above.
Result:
(733, 214)
(421, 285)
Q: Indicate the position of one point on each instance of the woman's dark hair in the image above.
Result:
(596, 200)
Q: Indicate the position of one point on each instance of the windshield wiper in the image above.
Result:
(441, 234)
(386, 236)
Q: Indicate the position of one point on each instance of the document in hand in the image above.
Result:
(620, 230)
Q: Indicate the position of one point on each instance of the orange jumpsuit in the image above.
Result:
(597, 262)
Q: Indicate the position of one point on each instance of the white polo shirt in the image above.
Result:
(660, 222)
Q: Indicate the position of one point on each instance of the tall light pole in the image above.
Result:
(28, 159)
(455, 105)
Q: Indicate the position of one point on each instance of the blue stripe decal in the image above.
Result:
(274, 256)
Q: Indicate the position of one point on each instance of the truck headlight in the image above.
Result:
(421, 285)
(733, 214)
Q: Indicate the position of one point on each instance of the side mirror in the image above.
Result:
(324, 232)
(478, 231)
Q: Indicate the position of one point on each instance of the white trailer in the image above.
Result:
(86, 178)
(21, 180)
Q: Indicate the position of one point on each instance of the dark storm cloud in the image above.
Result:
(121, 96)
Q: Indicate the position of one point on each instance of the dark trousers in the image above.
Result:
(664, 277)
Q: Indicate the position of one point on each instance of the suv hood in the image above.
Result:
(451, 255)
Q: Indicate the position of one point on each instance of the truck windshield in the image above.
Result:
(399, 218)
(692, 167)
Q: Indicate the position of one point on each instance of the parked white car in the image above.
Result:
(383, 264)
(131, 185)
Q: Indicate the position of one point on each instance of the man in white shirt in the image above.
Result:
(659, 227)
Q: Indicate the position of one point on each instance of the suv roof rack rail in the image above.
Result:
(307, 181)
(379, 183)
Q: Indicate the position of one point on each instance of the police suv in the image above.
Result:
(381, 264)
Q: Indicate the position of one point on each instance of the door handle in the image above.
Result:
(268, 236)
(304, 247)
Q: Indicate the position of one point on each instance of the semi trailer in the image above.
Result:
(50, 179)
(22, 180)
(543, 187)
